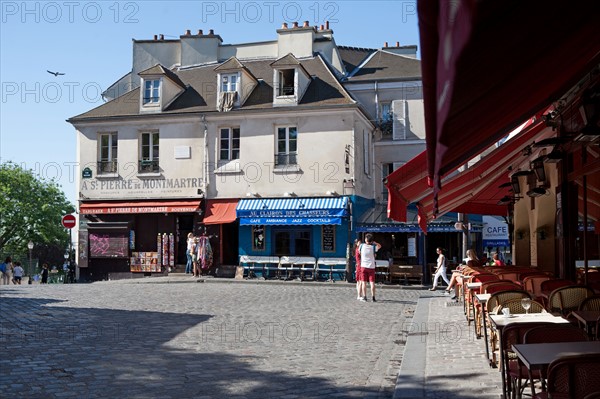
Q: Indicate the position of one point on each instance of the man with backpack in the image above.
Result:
(367, 265)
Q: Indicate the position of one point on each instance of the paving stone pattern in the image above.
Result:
(219, 339)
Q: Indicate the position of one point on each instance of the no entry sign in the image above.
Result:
(68, 221)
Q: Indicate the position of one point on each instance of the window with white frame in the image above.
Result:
(385, 112)
(229, 82)
(151, 91)
(287, 146)
(149, 151)
(107, 153)
(285, 84)
(229, 143)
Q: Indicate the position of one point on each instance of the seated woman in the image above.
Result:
(455, 280)
(497, 260)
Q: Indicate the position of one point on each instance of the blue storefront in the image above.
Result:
(317, 227)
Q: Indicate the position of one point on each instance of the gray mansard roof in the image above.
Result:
(200, 94)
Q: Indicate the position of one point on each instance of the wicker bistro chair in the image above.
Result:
(482, 278)
(573, 377)
(533, 285)
(513, 370)
(516, 308)
(547, 287)
(590, 303)
(551, 334)
(564, 300)
(496, 301)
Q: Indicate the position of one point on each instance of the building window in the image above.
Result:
(293, 241)
(148, 152)
(285, 85)
(107, 160)
(230, 144)
(287, 146)
(258, 238)
(229, 82)
(151, 91)
(386, 112)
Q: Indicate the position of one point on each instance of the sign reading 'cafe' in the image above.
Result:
(140, 188)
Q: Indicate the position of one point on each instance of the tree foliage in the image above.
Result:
(31, 208)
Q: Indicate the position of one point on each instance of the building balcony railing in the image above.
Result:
(148, 166)
(107, 167)
(283, 159)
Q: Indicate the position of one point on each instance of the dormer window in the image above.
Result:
(152, 91)
(286, 82)
(229, 82)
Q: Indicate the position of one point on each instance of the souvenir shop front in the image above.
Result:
(316, 227)
(135, 238)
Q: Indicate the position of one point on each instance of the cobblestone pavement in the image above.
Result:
(219, 339)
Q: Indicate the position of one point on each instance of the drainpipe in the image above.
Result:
(206, 163)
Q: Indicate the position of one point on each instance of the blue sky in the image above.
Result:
(90, 42)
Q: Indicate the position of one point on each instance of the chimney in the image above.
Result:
(397, 44)
(188, 32)
(327, 25)
(385, 44)
(155, 37)
(200, 33)
(295, 25)
(211, 32)
(305, 25)
(322, 27)
(161, 37)
(284, 25)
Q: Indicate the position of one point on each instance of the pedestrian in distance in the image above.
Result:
(440, 269)
(358, 272)
(189, 253)
(7, 271)
(45, 273)
(367, 265)
(18, 273)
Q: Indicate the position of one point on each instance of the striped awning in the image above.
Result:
(284, 211)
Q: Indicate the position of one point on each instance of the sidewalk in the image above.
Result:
(442, 358)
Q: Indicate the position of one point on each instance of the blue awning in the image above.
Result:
(292, 211)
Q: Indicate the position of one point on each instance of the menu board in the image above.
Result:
(328, 238)
(109, 245)
(258, 238)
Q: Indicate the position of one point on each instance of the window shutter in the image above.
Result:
(399, 111)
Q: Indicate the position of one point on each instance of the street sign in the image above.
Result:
(69, 221)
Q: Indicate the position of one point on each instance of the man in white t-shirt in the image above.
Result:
(18, 273)
(367, 265)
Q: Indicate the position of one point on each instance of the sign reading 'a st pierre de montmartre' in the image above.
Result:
(177, 187)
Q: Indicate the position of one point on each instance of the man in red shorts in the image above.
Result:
(367, 264)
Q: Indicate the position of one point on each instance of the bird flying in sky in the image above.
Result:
(55, 73)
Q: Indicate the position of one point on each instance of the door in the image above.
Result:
(292, 241)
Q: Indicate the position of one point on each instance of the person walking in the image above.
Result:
(18, 273)
(440, 270)
(367, 265)
(359, 279)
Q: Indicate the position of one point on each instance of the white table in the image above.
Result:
(330, 263)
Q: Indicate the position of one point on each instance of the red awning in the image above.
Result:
(489, 65)
(405, 185)
(220, 211)
(177, 206)
(475, 190)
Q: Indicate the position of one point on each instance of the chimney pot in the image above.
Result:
(305, 25)
(327, 25)
(155, 37)
(188, 32)
(397, 44)
(211, 32)
(200, 33)
(385, 44)
(295, 25)
(322, 27)
(161, 37)
(284, 25)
